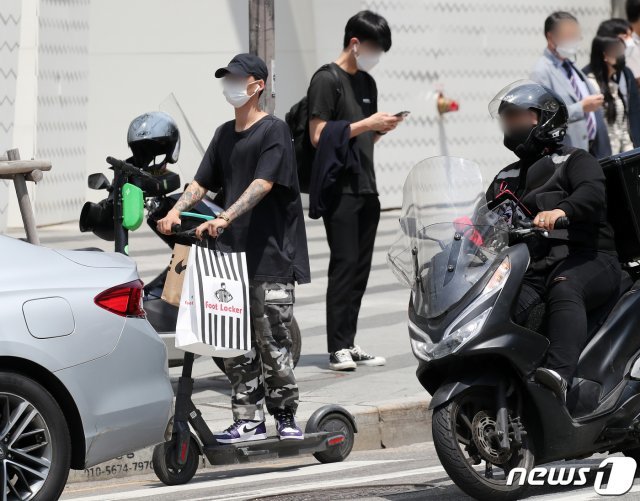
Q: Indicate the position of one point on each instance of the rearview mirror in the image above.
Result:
(98, 181)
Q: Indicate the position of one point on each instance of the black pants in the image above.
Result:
(582, 282)
(351, 228)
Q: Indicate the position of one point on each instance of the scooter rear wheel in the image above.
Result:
(165, 467)
(462, 435)
(296, 346)
(334, 422)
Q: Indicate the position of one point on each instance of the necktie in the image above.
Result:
(591, 123)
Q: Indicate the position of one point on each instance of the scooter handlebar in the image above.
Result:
(129, 169)
(177, 230)
(114, 162)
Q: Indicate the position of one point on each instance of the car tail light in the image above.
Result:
(124, 300)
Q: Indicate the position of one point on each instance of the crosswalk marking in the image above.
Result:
(260, 477)
(326, 484)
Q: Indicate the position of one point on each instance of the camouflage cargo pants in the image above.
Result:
(265, 374)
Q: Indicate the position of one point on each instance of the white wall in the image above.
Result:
(138, 52)
(470, 49)
(142, 51)
(10, 15)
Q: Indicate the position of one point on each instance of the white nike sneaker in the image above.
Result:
(242, 430)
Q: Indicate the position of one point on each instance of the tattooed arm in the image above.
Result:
(256, 191)
(191, 196)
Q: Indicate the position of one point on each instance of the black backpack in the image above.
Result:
(298, 121)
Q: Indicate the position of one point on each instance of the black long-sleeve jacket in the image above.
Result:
(569, 179)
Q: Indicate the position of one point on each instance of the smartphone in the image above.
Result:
(402, 114)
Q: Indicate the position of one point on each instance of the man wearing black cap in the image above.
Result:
(251, 160)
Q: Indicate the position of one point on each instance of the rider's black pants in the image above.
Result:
(582, 282)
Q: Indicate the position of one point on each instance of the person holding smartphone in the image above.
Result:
(352, 220)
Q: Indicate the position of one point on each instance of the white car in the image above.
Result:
(83, 375)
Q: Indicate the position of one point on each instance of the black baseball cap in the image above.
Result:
(244, 65)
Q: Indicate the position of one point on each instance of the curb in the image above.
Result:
(389, 424)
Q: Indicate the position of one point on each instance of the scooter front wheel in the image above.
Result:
(165, 467)
(465, 441)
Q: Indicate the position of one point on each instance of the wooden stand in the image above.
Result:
(21, 171)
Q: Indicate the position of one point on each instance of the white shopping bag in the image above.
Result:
(213, 319)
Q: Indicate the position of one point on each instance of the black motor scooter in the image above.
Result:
(105, 218)
(492, 423)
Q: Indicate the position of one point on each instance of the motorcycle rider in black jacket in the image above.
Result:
(574, 270)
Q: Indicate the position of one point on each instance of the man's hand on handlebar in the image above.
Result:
(213, 227)
(547, 219)
(166, 223)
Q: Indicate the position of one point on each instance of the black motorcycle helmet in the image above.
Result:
(151, 135)
(551, 109)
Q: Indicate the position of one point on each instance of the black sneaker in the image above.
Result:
(341, 361)
(286, 425)
(554, 381)
(361, 357)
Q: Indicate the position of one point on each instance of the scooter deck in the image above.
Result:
(272, 446)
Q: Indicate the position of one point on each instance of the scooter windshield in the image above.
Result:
(448, 239)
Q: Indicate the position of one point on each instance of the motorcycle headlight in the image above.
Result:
(451, 341)
(427, 350)
(422, 345)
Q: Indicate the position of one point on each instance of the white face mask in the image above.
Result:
(568, 50)
(367, 60)
(236, 92)
(629, 43)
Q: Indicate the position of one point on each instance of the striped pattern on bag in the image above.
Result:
(218, 329)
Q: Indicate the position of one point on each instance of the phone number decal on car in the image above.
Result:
(128, 465)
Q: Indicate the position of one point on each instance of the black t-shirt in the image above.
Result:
(272, 234)
(359, 100)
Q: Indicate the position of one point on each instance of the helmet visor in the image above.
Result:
(524, 94)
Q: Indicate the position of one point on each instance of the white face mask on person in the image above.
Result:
(568, 50)
(236, 92)
(365, 61)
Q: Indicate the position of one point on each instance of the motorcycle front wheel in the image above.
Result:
(466, 444)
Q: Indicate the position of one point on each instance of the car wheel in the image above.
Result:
(35, 445)
(296, 346)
